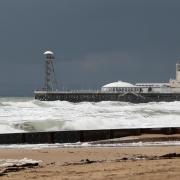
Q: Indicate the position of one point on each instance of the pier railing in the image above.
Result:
(70, 91)
(97, 91)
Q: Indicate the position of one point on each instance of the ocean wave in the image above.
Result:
(28, 114)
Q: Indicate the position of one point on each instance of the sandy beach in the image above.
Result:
(156, 162)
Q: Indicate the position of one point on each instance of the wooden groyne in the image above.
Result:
(80, 135)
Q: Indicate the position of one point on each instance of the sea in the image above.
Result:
(25, 114)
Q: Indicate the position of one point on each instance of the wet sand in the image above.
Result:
(96, 163)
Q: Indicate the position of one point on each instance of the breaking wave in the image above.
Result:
(27, 115)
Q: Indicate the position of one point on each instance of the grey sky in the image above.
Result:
(94, 41)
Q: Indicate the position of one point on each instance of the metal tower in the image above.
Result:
(50, 83)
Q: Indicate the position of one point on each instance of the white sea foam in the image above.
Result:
(17, 162)
(27, 114)
(86, 144)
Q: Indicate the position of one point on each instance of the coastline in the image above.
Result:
(153, 162)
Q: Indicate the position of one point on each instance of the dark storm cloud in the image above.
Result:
(95, 42)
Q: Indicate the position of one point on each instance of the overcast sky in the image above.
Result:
(95, 42)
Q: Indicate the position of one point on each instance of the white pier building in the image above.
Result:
(173, 86)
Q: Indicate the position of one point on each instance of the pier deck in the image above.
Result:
(96, 96)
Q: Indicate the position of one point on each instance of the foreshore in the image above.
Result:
(152, 162)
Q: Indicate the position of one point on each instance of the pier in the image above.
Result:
(97, 96)
(116, 91)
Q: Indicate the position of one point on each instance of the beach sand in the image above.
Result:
(97, 163)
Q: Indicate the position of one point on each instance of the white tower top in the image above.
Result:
(48, 53)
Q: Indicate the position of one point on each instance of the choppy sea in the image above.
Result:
(26, 114)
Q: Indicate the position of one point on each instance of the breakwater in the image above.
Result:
(80, 135)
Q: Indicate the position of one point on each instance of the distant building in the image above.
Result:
(124, 87)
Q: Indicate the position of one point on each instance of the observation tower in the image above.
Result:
(50, 82)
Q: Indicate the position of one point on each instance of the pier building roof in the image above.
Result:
(118, 84)
(48, 52)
